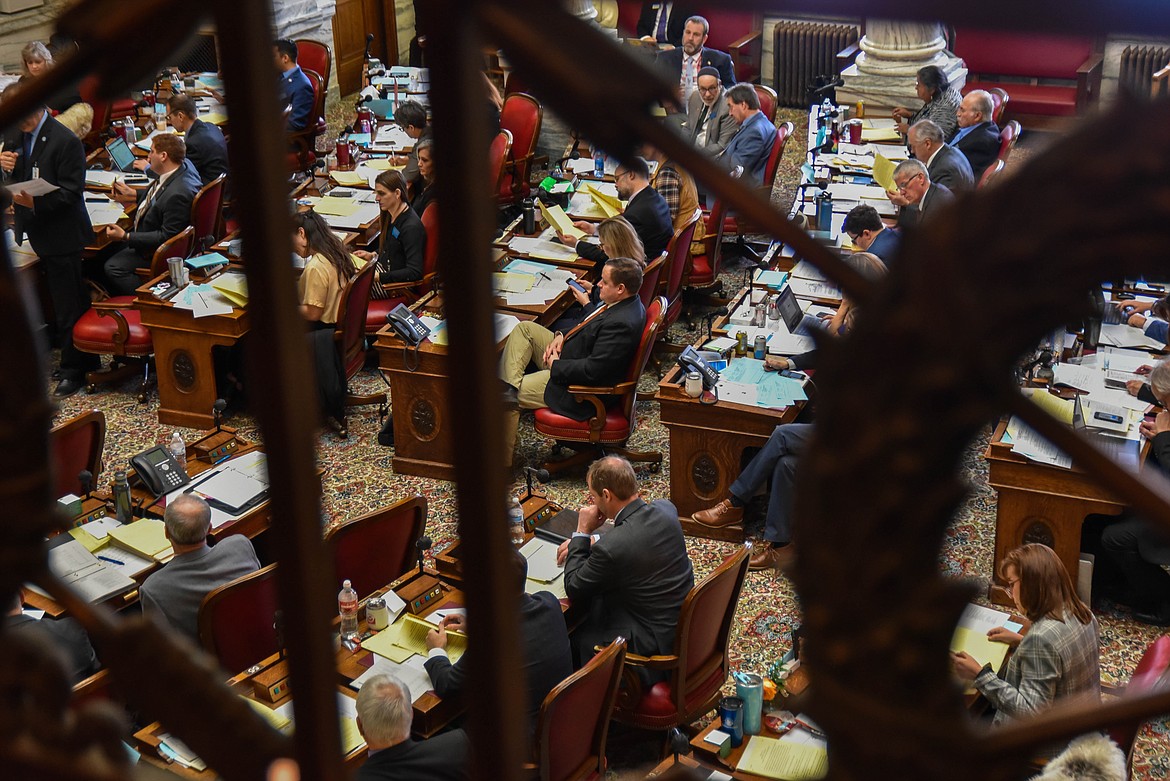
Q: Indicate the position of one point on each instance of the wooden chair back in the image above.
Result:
(574, 718)
(1007, 138)
(351, 320)
(237, 621)
(783, 133)
(989, 174)
(678, 257)
(498, 153)
(207, 213)
(522, 116)
(1148, 675)
(768, 101)
(77, 445)
(178, 246)
(379, 547)
(651, 275)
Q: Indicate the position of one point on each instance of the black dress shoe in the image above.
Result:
(1158, 617)
(67, 387)
(386, 435)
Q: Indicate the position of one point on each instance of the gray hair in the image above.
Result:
(983, 103)
(188, 519)
(1160, 379)
(384, 706)
(698, 20)
(926, 130)
(911, 167)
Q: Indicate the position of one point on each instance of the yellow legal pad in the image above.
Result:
(348, 178)
(233, 287)
(883, 172)
(408, 636)
(555, 216)
(146, 537)
(783, 759)
(338, 207)
(606, 202)
(880, 134)
(382, 164)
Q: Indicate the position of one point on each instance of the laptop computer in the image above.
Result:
(797, 322)
(121, 155)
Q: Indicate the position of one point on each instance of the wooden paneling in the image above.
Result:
(353, 20)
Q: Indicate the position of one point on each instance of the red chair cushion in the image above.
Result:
(701, 271)
(506, 195)
(377, 310)
(1021, 54)
(123, 107)
(658, 703)
(94, 333)
(1046, 100)
(552, 424)
(293, 161)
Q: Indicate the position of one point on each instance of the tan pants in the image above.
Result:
(526, 344)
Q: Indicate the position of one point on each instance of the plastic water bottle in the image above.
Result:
(515, 520)
(178, 448)
(599, 164)
(347, 606)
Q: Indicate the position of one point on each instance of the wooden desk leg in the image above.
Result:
(703, 465)
(186, 378)
(1029, 516)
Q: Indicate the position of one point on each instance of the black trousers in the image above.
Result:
(67, 291)
(121, 279)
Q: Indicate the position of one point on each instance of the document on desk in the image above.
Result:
(540, 248)
(878, 135)
(808, 288)
(349, 178)
(770, 278)
(883, 172)
(786, 760)
(582, 206)
(103, 211)
(610, 204)
(281, 719)
(555, 216)
(202, 300)
(408, 636)
(1122, 335)
(33, 187)
(146, 537)
(233, 286)
(1034, 447)
(394, 137)
(1092, 380)
(231, 490)
(555, 587)
(91, 578)
(98, 178)
(542, 560)
(411, 672)
(506, 282)
(805, 270)
(336, 207)
(147, 143)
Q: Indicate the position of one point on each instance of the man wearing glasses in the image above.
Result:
(709, 126)
(865, 229)
(646, 210)
(916, 195)
(206, 147)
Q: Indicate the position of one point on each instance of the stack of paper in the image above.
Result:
(971, 635)
(411, 672)
(146, 537)
(788, 760)
(606, 202)
(233, 286)
(1034, 447)
(540, 248)
(202, 301)
(177, 751)
(808, 288)
(102, 210)
(883, 172)
(1122, 335)
(348, 178)
(91, 578)
(282, 719)
(394, 137)
(505, 324)
(584, 207)
(98, 178)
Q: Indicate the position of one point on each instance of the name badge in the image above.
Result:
(36, 172)
(394, 231)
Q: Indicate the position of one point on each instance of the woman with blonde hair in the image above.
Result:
(617, 239)
(1058, 656)
(69, 109)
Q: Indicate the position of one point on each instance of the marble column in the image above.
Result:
(891, 54)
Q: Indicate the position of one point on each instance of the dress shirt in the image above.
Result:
(30, 141)
(963, 131)
(153, 191)
(690, 74)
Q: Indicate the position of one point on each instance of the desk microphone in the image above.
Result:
(712, 316)
(422, 544)
(529, 472)
(217, 412)
(678, 743)
(369, 40)
(85, 477)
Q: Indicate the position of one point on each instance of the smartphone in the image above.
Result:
(793, 375)
(1108, 418)
(575, 285)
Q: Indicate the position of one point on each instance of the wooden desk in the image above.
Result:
(1039, 503)
(183, 355)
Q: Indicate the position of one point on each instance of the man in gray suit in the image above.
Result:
(174, 593)
(916, 194)
(635, 577)
(709, 126)
(947, 166)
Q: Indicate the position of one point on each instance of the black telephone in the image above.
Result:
(159, 470)
(690, 360)
(407, 325)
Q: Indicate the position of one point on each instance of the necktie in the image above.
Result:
(701, 125)
(28, 144)
(142, 207)
(663, 16)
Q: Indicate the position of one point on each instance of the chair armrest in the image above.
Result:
(114, 311)
(103, 307)
(746, 41)
(607, 390)
(745, 56)
(652, 662)
(1089, 81)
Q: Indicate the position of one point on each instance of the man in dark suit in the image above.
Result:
(384, 713)
(709, 126)
(56, 224)
(635, 577)
(546, 659)
(916, 195)
(751, 145)
(682, 65)
(869, 234)
(164, 209)
(947, 166)
(295, 88)
(662, 22)
(63, 634)
(977, 137)
(646, 210)
(206, 148)
(596, 352)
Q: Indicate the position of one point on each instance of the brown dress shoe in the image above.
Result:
(722, 514)
(771, 556)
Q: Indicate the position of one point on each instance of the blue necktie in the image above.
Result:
(663, 16)
(28, 143)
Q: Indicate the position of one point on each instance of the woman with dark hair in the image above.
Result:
(403, 243)
(940, 103)
(329, 269)
(424, 188)
(1057, 658)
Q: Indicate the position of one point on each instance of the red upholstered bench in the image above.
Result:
(1045, 75)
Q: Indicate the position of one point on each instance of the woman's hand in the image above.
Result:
(965, 665)
(901, 112)
(365, 255)
(1001, 634)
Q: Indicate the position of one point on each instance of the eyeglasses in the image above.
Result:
(709, 89)
(905, 184)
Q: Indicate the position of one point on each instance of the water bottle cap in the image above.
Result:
(346, 584)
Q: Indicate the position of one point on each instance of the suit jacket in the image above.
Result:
(168, 212)
(599, 353)
(64, 634)
(1154, 543)
(951, 169)
(936, 196)
(297, 92)
(207, 150)
(650, 216)
(634, 580)
(720, 125)
(750, 148)
(547, 659)
(445, 757)
(671, 64)
(885, 245)
(175, 592)
(58, 223)
(980, 147)
(675, 21)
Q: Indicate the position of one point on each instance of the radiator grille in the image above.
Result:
(803, 51)
(1138, 65)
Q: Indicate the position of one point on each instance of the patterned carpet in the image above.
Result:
(358, 478)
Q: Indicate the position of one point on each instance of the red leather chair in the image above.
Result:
(207, 213)
(77, 445)
(989, 174)
(102, 109)
(378, 548)
(1007, 139)
(768, 101)
(609, 428)
(574, 719)
(650, 278)
(114, 327)
(314, 56)
(999, 99)
(521, 116)
(303, 143)
(678, 260)
(1154, 664)
(409, 292)
(350, 339)
(779, 142)
(705, 267)
(497, 156)
(699, 666)
(237, 621)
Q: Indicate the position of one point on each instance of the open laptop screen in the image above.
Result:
(121, 154)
